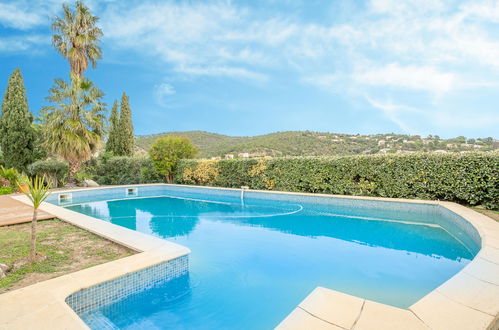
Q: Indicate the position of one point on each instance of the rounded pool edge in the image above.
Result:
(468, 300)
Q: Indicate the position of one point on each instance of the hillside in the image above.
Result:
(306, 143)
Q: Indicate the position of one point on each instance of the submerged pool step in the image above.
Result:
(99, 321)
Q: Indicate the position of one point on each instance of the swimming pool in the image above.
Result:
(255, 258)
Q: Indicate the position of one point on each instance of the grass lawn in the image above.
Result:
(490, 213)
(67, 249)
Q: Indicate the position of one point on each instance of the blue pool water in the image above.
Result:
(252, 262)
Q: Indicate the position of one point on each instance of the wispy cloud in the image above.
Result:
(24, 43)
(162, 92)
(424, 78)
(395, 113)
(19, 15)
(192, 37)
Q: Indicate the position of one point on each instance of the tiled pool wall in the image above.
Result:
(113, 291)
(456, 225)
(460, 228)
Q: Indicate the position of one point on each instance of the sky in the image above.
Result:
(259, 66)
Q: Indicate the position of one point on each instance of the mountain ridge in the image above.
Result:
(310, 143)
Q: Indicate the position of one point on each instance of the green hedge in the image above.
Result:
(117, 170)
(468, 178)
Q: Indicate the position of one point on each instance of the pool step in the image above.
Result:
(99, 321)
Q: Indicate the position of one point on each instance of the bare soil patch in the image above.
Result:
(490, 213)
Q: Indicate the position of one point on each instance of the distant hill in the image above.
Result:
(307, 143)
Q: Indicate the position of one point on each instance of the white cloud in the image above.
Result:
(484, 10)
(414, 120)
(408, 77)
(165, 89)
(192, 37)
(395, 112)
(223, 71)
(162, 92)
(23, 43)
(19, 16)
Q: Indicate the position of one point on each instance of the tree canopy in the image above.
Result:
(76, 37)
(167, 151)
(74, 125)
(125, 143)
(114, 120)
(17, 135)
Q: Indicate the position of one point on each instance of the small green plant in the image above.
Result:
(10, 174)
(82, 176)
(6, 190)
(8, 180)
(37, 192)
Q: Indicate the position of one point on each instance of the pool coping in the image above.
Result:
(468, 300)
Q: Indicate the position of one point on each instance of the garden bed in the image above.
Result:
(64, 247)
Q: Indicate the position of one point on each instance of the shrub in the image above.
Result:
(6, 190)
(81, 176)
(53, 171)
(109, 170)
(204, 172)
(468, 178)
(167, 151)
(9, 176)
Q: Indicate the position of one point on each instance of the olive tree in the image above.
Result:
(167, 151)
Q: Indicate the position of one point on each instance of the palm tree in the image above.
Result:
(76, 37)
(74, 125)
(37, 192)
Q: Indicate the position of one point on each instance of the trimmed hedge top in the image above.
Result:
(468, 178)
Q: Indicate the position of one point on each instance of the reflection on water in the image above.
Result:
(174, 217)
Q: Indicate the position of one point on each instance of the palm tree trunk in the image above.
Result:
(32, 255)
(74, 167)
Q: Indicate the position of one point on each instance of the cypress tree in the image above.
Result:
(114, 120)
(17, 135)
(125, 139)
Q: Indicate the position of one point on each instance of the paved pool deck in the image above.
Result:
(13, 211)
(468, 300)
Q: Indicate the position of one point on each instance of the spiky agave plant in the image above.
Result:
(37, 192)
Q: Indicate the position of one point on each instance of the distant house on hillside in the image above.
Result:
(243, 155)
(216, 158)
(229, 156)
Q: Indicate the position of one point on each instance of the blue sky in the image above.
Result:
(252, 67)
